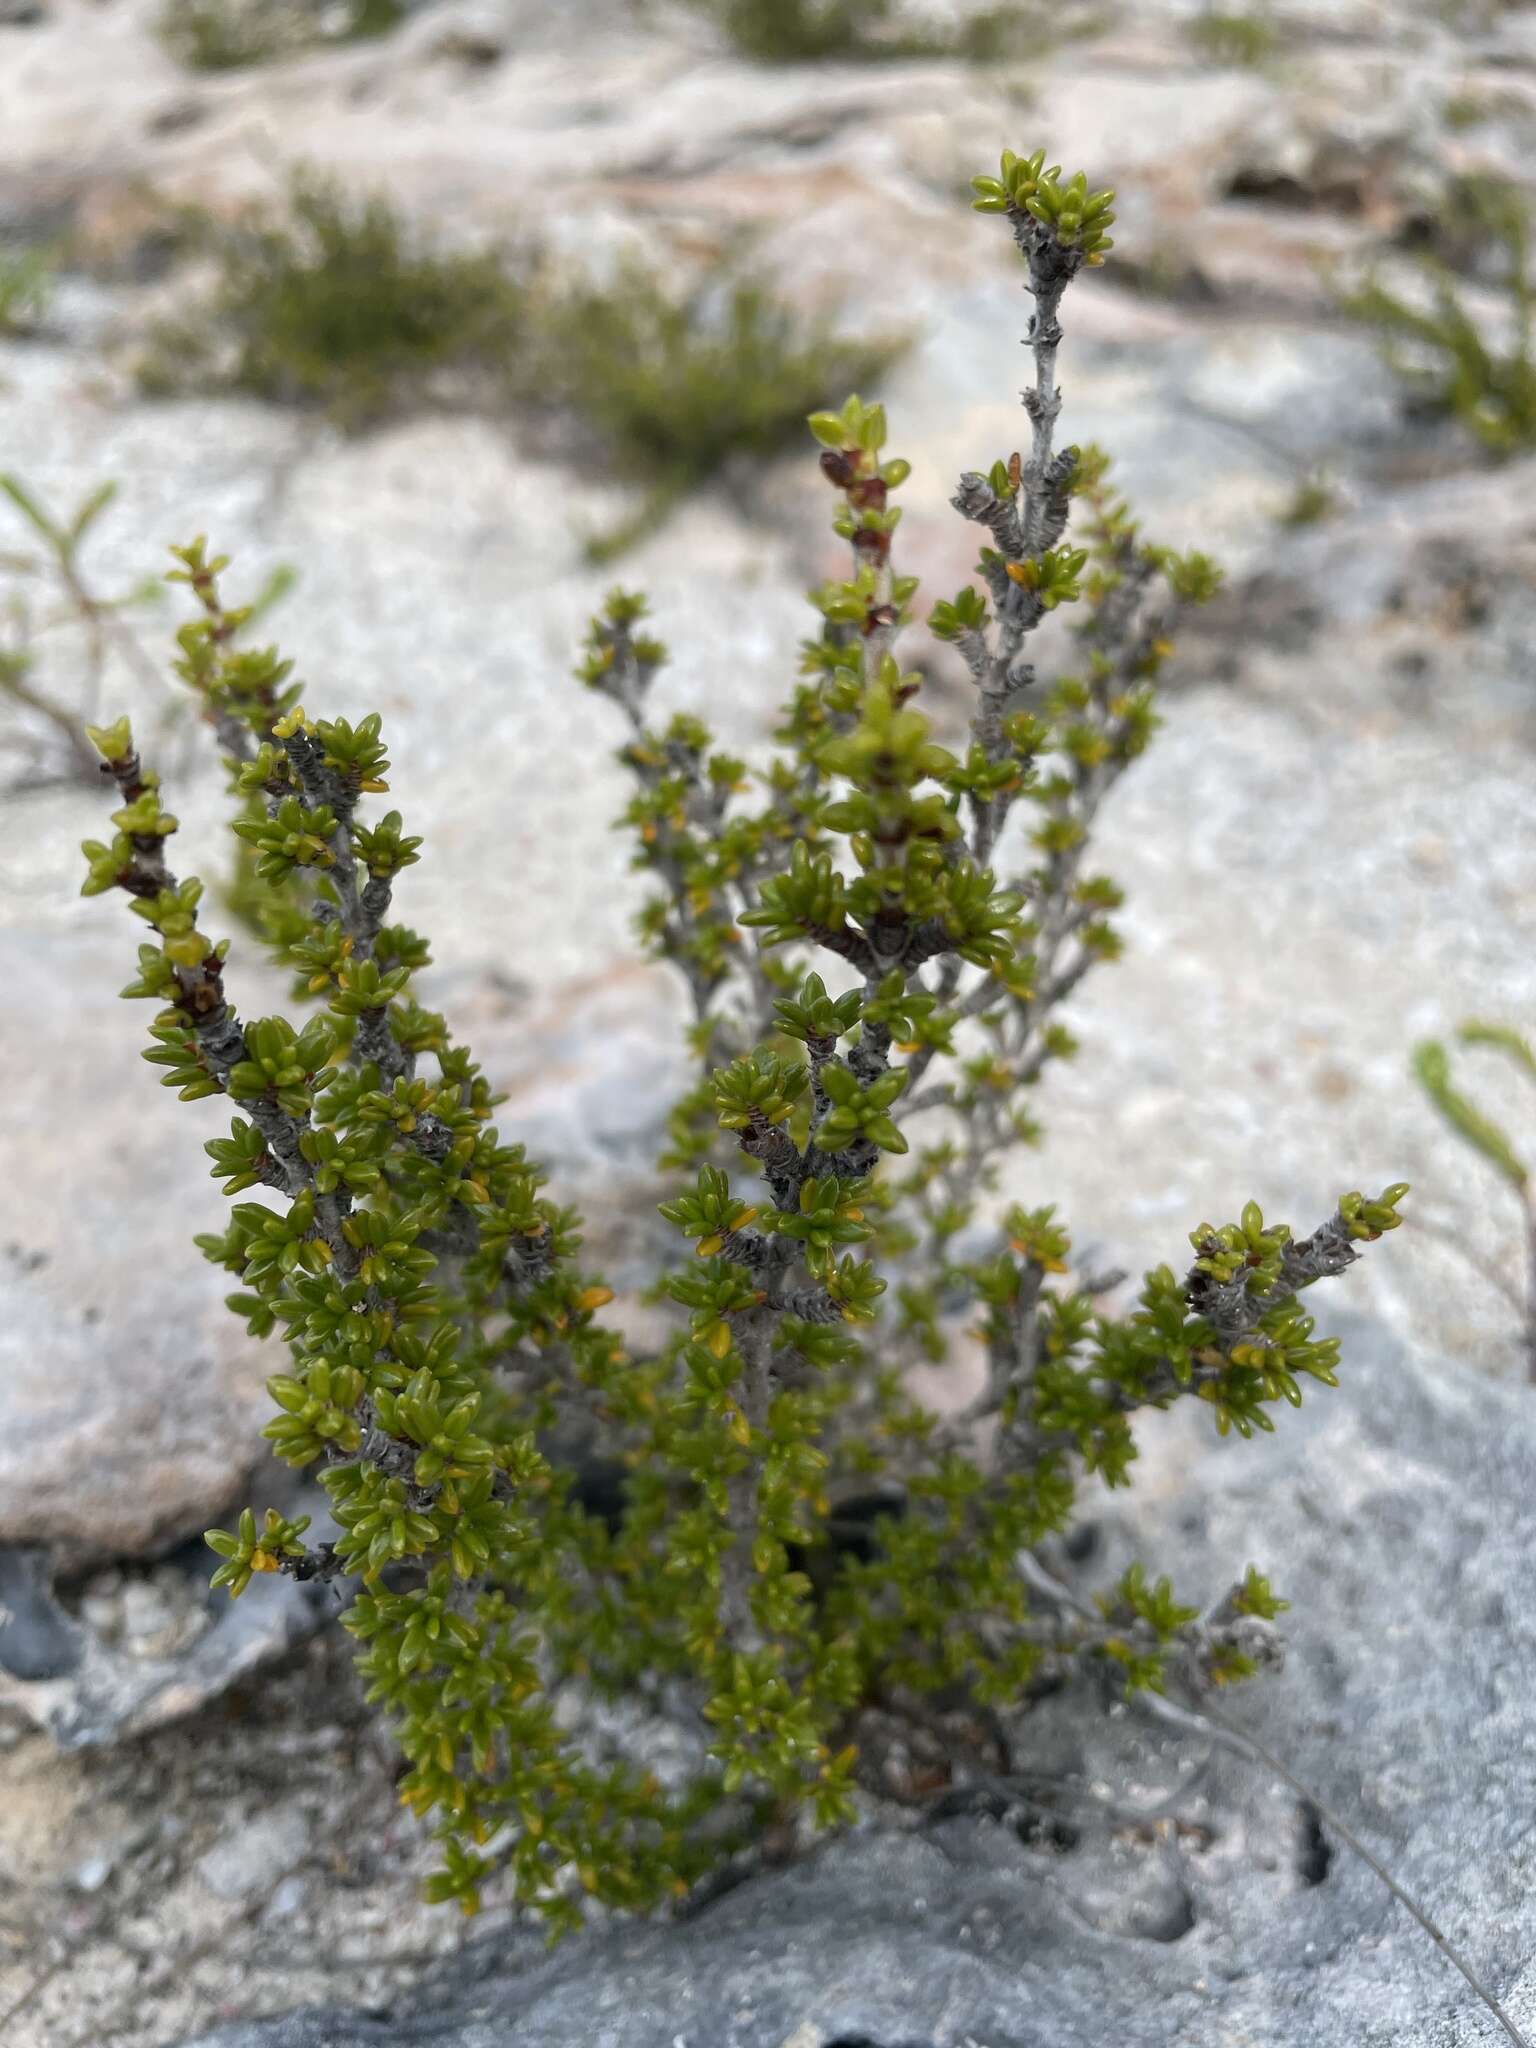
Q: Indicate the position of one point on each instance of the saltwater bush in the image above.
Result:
(755, 1521)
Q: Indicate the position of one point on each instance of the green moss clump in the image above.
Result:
(1463, 110)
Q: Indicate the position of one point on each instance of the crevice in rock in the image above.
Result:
(1170, 1921)
(36, 1640)
(868, 2041)
(1334, 181)
(1171, 276)
(1314, 1856)
(1269, 188)
(1047, 1831)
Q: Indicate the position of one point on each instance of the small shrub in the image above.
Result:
(674, 385)
(799, 31)
(1224, 36)
(227, 35)
(26, 289)
(1315, 498)
(1474, 17)
(1432, 1068)
(332, 303)
(1449, 364)
(51, 591)
(69, 600)
(803, 31)
(1469, 225)
(1465, 110)
(878, 934)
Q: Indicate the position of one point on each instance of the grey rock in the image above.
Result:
(288, 1895)
(93, 1874)
(36, 1641)
(1399, 1516)
(149, 1647)
(130, 1399)
(589, 1068)
(118, 1845)
(106, 1695)
(256, 1854)
(158, 1618)
(1302, 397)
